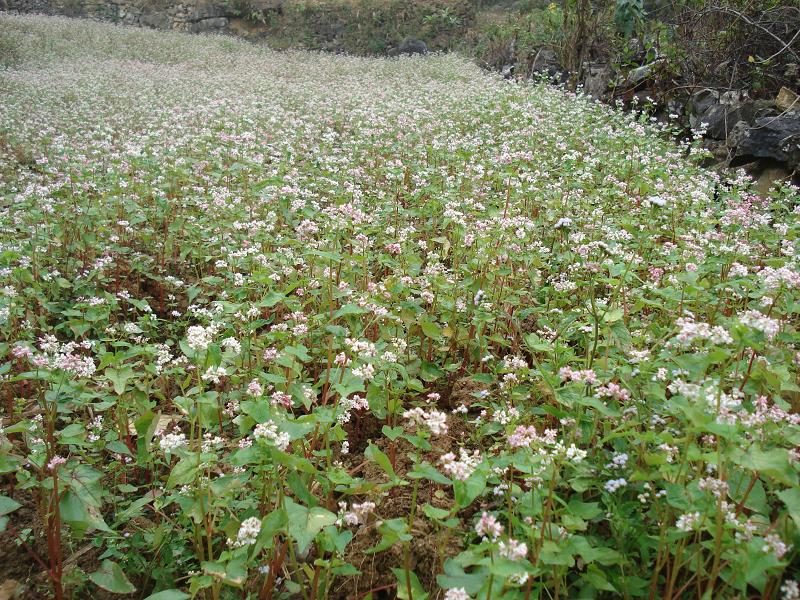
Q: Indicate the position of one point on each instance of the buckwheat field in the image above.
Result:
(297, 325)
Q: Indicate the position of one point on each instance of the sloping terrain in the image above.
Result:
(283, 324)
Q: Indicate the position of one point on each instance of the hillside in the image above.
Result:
(284, 324)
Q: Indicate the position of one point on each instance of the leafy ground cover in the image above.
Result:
(298, 325)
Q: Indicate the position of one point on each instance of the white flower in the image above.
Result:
(199, 337)
(248, 533)
(489, 526)
(790, 590)
(612, 485)
(761, 322)
(213, 374)
(513, 550)
(462, 468)
(172, 441)
(688, 521)
(575, 454)
(457, 594)
(232, 344)
(269, 431)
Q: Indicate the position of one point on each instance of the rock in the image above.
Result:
(9, 589)
(768, 177)
(733, 97)
(721, 118)
(636, 52)
(209, 9)
(410, 46)
(776, 138)
(545, 60)
(787, 100)
(640, 74)
(155, 19)
(215, 24)
(737, 132)
(699, 103)
(596, 79)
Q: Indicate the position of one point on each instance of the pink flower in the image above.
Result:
(489, 526)
(56, 462)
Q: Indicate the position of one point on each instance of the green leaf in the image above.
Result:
(7, 505)
(791, 498)
(80, 515)
(119, 377)
(271, 299)
(349, 309)
(455, 577)
(392, 432)
(145, 429)
(428, 471)
(431, 330)
(305, 523)
(168, 595)
(406, 580)
(111, 578)
(773, 463)
(375, 455)
(183, 472)
(466, 491)
(435, 513)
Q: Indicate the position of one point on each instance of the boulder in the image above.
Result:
(699, 102)
(787, 100)
(209, 9)
(721, 118)
(410, 46)
(769, 177)
(776, 138)
(596, 79)
(215, 24)
(154, 19)
(545, 60)
(640, 74)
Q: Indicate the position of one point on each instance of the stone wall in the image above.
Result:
(362, 27)
(184, 15)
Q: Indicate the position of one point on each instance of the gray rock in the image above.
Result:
(641, 74)
(769, 177)
(699, 102)
(209, 9)
(787, 100)
(737, 132)
(410, 46)
(156, 20)
(776, 138)
(721, 118)
(545, 60)
(596, 80)
(733, 97)
(212, 25)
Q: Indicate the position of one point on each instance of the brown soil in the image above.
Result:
(21, 577)
(431, 545)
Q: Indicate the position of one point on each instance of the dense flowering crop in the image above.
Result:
(283, 324)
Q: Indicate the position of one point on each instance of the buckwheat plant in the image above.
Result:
(281, 325)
